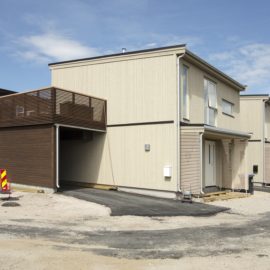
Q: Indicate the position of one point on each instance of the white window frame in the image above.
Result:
(185, 93)
(224, 110)
(210, 92)
(19, 111)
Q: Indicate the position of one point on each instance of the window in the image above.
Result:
(19, 111)
(185, 93)
(227, 107)
(210, 90)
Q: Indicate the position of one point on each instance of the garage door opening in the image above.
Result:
(80, 153)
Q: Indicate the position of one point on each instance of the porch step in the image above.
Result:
(216, 193)
(225, 195)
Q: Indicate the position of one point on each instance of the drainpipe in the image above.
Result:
(201, 161)
(57, 156)
(263, 138)
(178, 119)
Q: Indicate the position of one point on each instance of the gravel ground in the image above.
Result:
(58, 232)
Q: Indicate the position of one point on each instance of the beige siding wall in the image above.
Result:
(239, 165)
(196, 91)
(137, 90)
(254, 155)
(143, 89)
(252, 117)
(252, 120)
(233, 163)
(119, 158)
(267, 163)
(226, 152)
(190, 168)
(267, 122)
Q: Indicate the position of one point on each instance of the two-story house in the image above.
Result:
(173, 123)
(255, 118)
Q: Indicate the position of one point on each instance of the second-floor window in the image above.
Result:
(185, 93)
(227, 107)
(210, 90)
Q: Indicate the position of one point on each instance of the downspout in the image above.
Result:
(57, 156)
(178, 119)
(263, 138)
(201, 161)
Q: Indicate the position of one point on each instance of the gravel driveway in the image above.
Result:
(61, 232)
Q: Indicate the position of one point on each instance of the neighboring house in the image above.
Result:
(5, 92)
(255, 118)
(173, 123)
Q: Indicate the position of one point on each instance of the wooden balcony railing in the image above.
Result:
(52, 106)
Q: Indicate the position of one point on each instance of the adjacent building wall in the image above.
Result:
(28, 155)
(252, 120)
(239, 165)
(267, 122)
(267, 144)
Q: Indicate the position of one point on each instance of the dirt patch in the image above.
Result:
(50, 231)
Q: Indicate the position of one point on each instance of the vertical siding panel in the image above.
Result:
(120, 153)
(137, 90)
(267, 163)
(27, 154)
(190, 162)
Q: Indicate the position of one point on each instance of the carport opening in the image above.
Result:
(80, 153)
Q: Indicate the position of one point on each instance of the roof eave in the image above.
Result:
(119, 54)
(189, 55)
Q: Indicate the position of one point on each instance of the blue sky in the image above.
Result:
(233, 35)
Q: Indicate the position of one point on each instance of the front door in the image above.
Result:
(210, 164)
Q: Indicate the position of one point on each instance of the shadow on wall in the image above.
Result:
(81, 154)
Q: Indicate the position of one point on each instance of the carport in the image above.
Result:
(38, 130)
(80, 152)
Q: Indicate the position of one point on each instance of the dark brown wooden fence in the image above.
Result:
(52, 105)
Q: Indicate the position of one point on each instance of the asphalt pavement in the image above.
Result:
(123, 203)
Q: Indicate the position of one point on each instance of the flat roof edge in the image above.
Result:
(119, 54)
(218, 130)
(254, 95)
(227, 131)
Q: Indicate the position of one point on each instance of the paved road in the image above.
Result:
(122, 203)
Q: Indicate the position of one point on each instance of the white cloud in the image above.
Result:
(190, 41)
(51, 46)
(153, 44)
(249, 64)
(171, 39)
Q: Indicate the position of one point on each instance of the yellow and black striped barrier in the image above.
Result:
(4, 180)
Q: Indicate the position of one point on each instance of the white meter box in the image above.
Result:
(167, 171)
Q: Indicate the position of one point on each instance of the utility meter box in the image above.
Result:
(167, 171)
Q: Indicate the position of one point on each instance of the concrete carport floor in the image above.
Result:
(123, 203)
